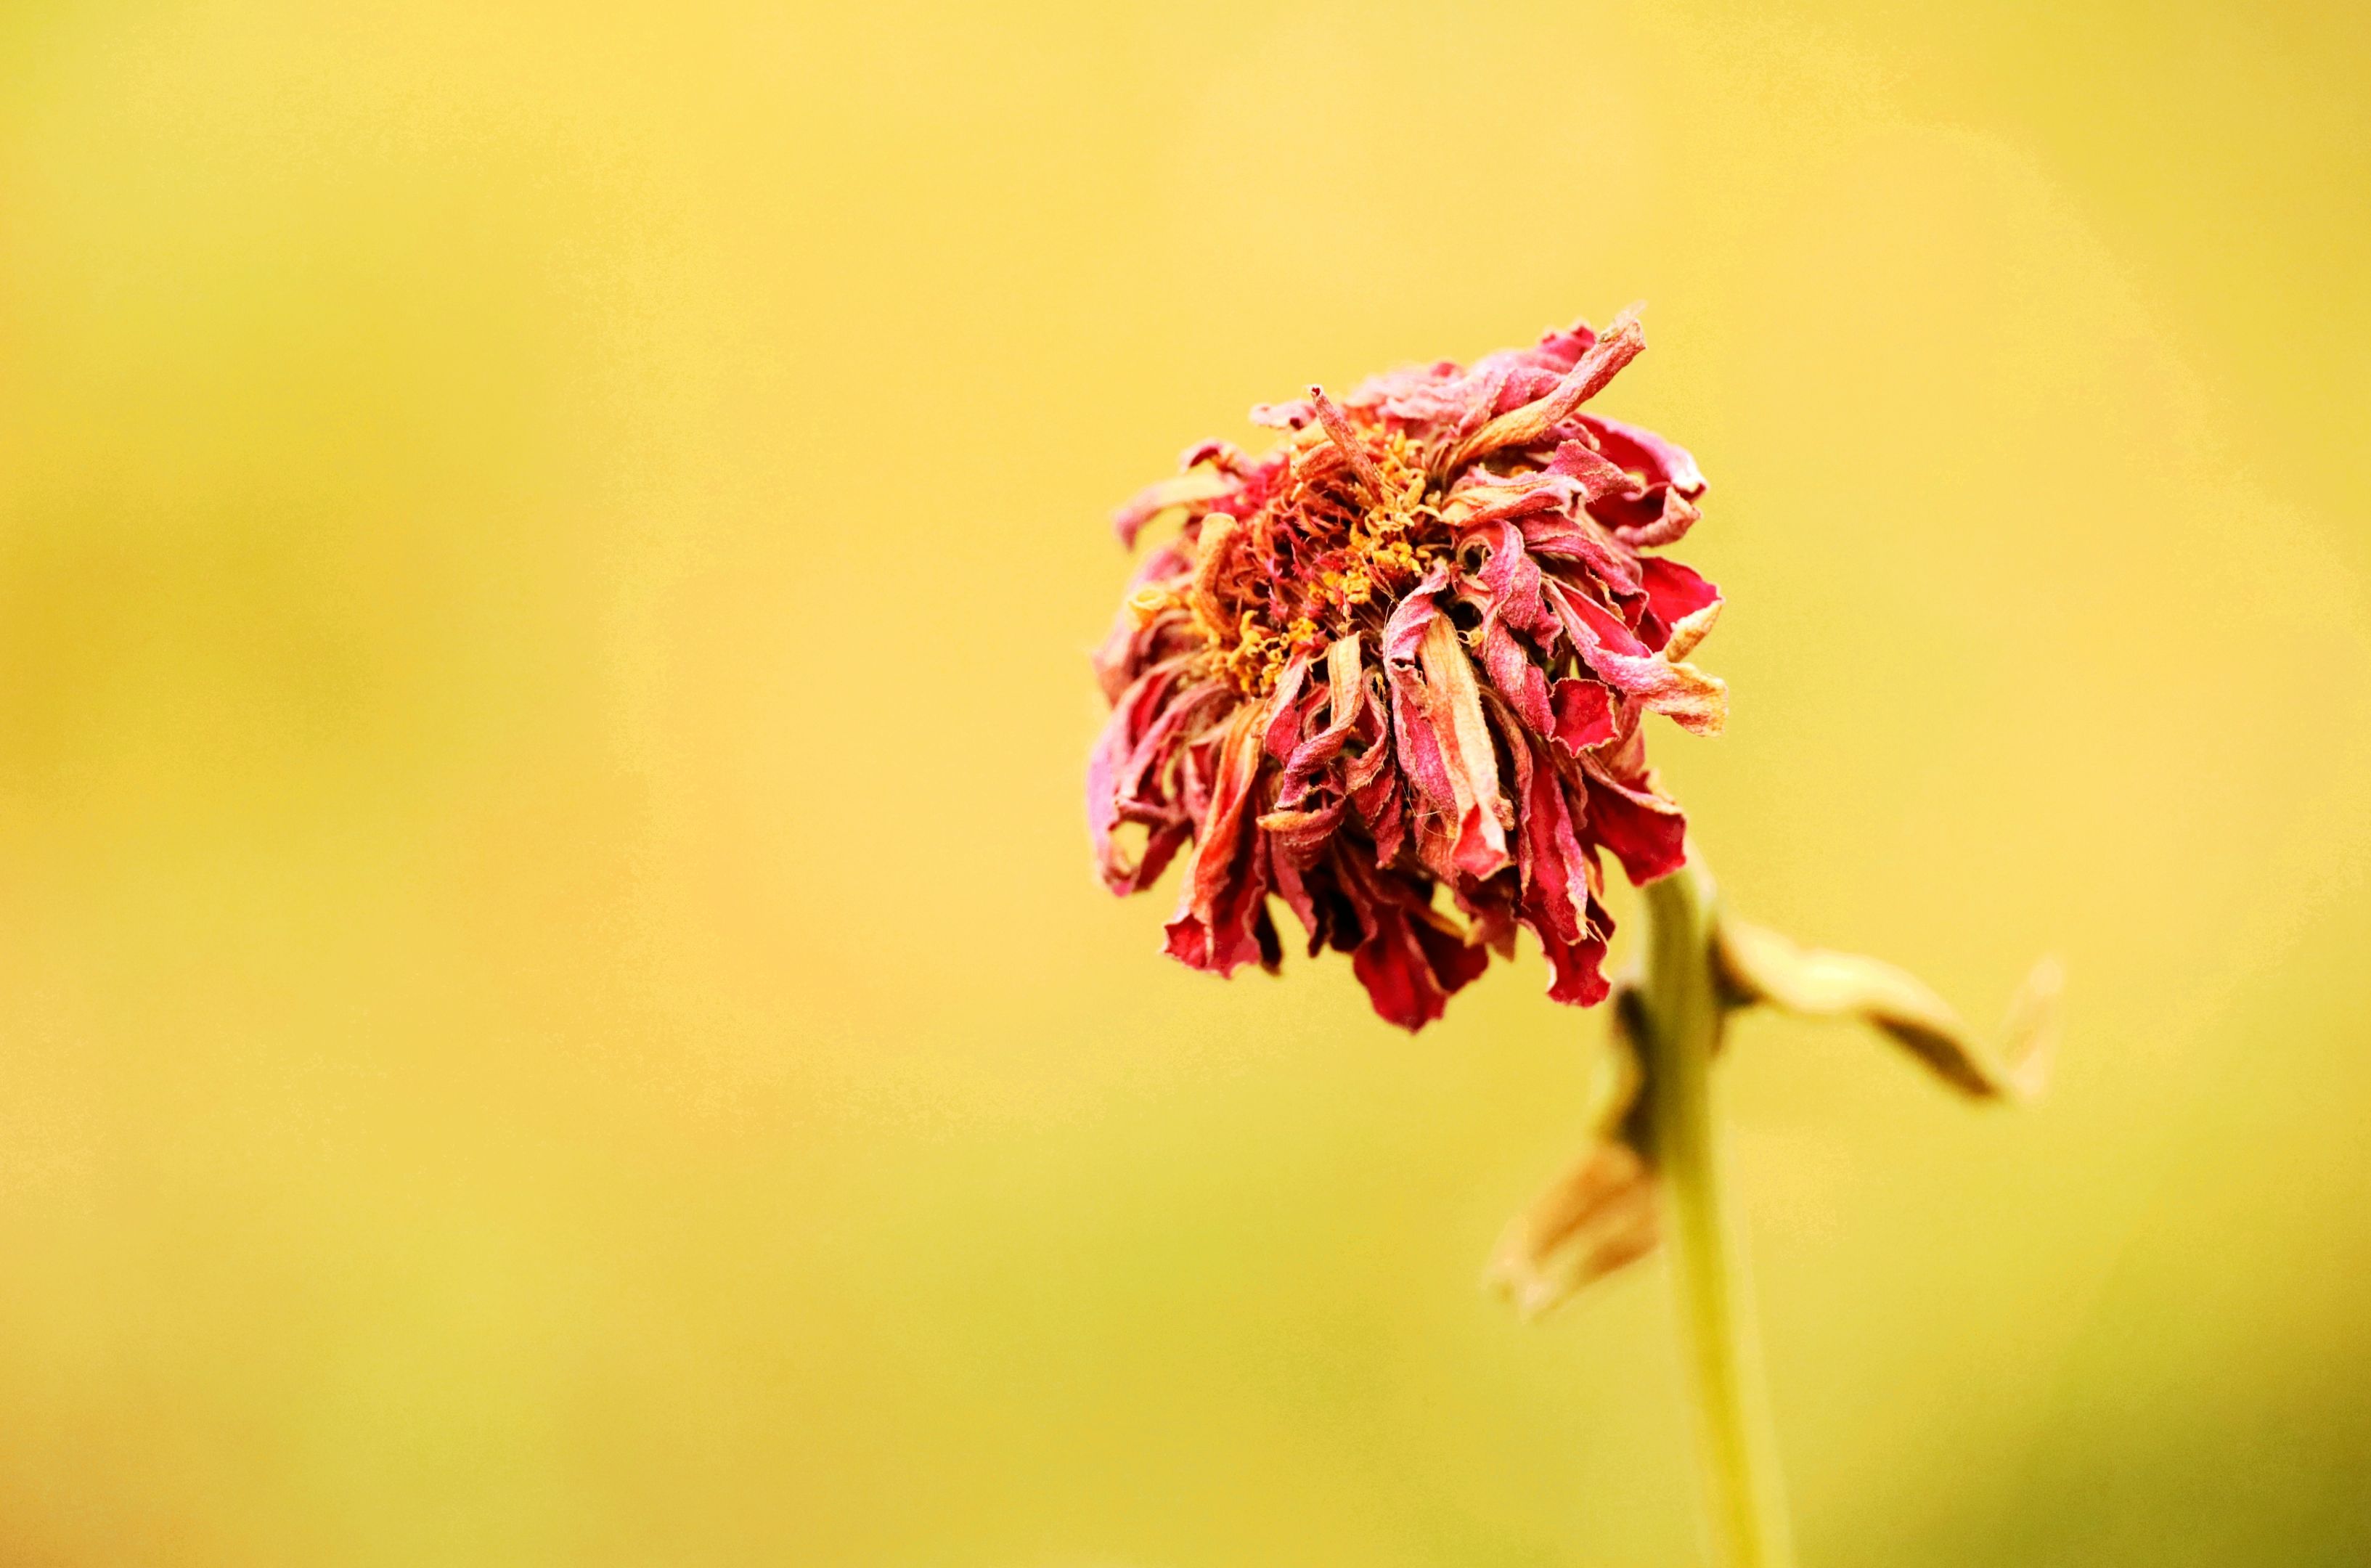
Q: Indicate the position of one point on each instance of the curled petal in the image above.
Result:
(1149, 502)
(1382, 808)
(1302, 834)
(1436, 394)
(1646, 833)
(1759, 965)
(1561, 885)
(1667, 525)
(1467, 753)
(1659, 507)
(1136, 713)
(1508, 586)
(1347, 441)
(1345, 701)
(1412, 966)
(1150, 620)
(1128, 774)
(1224, 455)
(1484, 497)
(1558, 348)
(1530, 424)
(1578, 536)
(1285, 711)
(1291, 881)
(1516, 673)
(1404, 633)
(1221, 538)
(1656, 461)
(1409, 958)
(1556, 894)
(1683, 608)
(1676, 597)
(1219, 922)
(1597, 474)
(1693, 700)
(1687, 631)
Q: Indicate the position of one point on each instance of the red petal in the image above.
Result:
(1584, 714)
(1216, 926)
(1646, 833)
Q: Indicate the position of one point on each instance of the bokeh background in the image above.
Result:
(552, 1004)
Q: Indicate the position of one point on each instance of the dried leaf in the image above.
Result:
(1603, 1211)
(1759, 965)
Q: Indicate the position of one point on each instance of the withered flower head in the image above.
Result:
(1411, 647)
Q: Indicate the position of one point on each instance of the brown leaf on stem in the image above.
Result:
(1604, 1211)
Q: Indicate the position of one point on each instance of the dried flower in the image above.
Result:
(1411, 647)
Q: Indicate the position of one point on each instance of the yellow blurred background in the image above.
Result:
(554, 1008)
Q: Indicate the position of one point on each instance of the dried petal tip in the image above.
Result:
(1402, 689)
(1346, 440)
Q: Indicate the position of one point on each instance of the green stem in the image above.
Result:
(1745, 1502)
